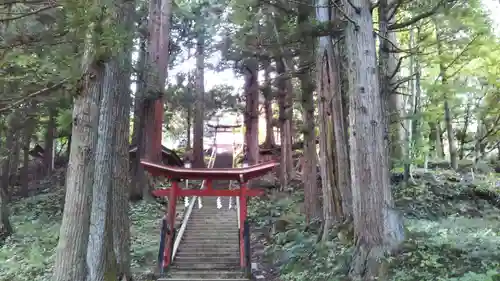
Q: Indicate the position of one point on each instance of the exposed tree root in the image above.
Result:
(369, 263)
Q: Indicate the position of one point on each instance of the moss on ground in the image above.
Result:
(453, 235)
(452, 227)
(28, 255)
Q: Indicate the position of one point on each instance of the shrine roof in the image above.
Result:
(221, 126)
(234, 174)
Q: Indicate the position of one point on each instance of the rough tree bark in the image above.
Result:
(285, 100)
(198, 122)
(416, 124)
(70, 261)
(48, 158)
(309, 169)
(120, 205)
(334, 160)
(189, 119)
(388, 75)
(137, 172)
(100, 256)
(10, 140)
(12, 126)
(251, 115)
(377, 227)
(29, 128)
(151, 121)
(452, 146)
(5, 226)
(410, 105)
(339, 102)
(267, 92)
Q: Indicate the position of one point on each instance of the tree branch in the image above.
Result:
(32, 95)
(29, 13)
(416, 18)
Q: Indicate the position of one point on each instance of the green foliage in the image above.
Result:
(29, 254)
(145, 230)
(294, 249)
(452, 235)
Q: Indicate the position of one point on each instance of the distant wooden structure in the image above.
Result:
(169, 157)
(223, 128)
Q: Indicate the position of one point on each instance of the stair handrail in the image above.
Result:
(189, 210)
(237, 198)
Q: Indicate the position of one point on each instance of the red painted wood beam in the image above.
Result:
(243, 217)
(212, 192)
(236, 174)
(167, 254)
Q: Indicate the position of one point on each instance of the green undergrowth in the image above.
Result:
(28, 255)
(452, 226)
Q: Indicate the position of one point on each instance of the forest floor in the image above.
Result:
(452, 225)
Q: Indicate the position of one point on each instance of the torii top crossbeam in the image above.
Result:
(233, 174)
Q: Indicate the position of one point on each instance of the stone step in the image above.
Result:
(204, 274)
(231, 215)
(214, 231)
(209, 248)
(222, 255)
(220, 223)
(212, 221)
(208, 245)
(226, 239)
(211, 240)
(213, 208)
(202, 279)
(208, 215)
(194, 259)
(203, 231)
(206, 266)
(228, 215)
(207, 253)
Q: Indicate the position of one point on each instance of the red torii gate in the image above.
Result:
(241, 175)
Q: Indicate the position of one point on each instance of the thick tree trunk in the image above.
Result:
(137, 181)
(334, 160)
(388, 75)
(151, 121)
(15, 152)
(29, 128)
(309, 168)
(48, 159)
(100, 256)
(267, 92)
(10, 146)
(251, 117)
(5, 226)
(410, 105)
(198, 123)
(189, 119)
(377, 228)
(415, 125)
(120, 205)
(285, 115)
(452, 147)
(70, 261)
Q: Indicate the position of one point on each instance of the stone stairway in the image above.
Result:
(209, 249)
